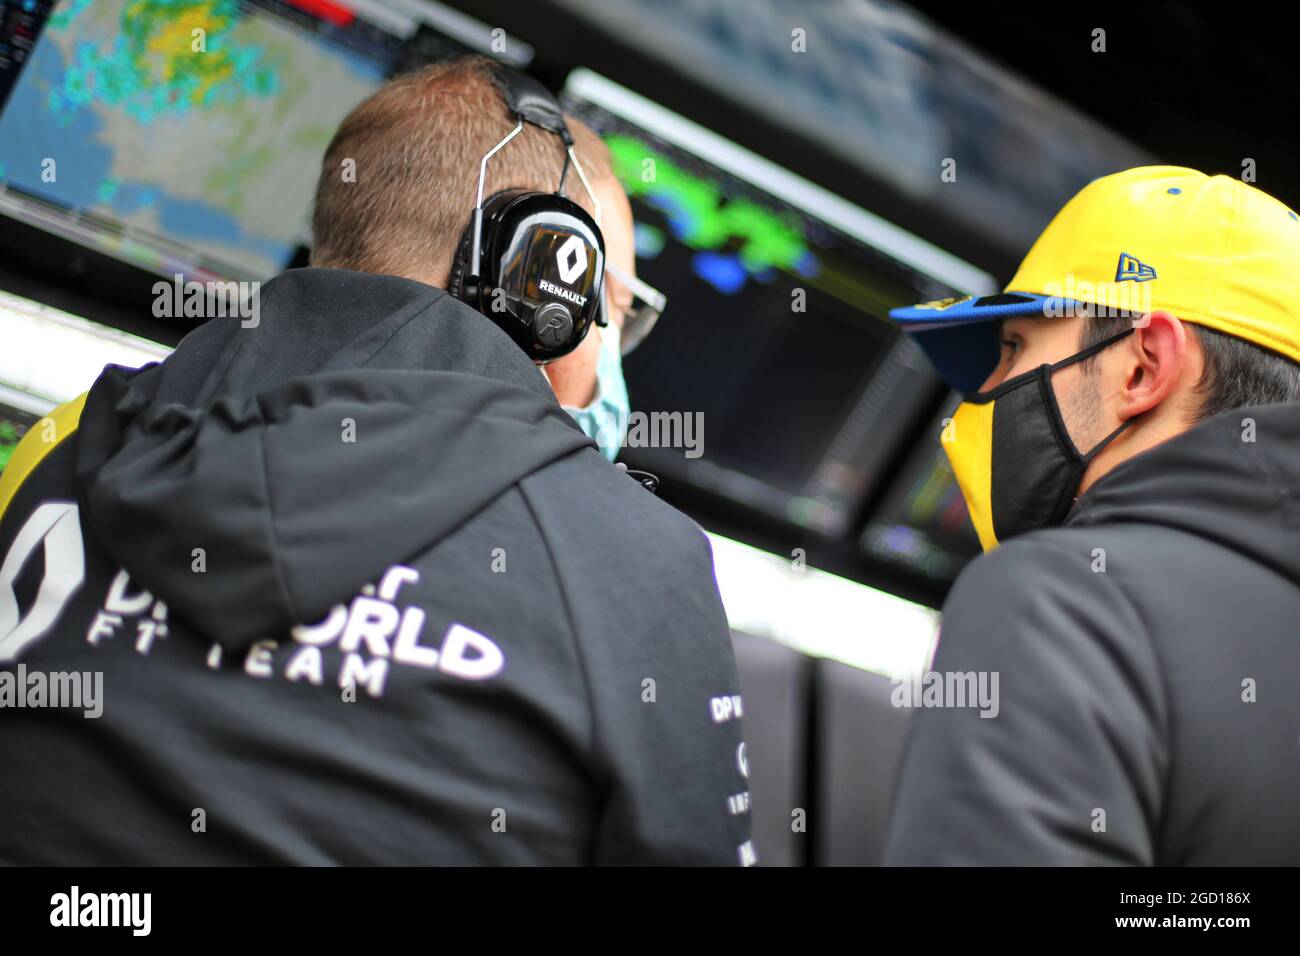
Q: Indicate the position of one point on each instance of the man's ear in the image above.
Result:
(573, 377)
(1156, 359)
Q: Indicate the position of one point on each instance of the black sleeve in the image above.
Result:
(649, 629)
(1069, 766)
(680, 792)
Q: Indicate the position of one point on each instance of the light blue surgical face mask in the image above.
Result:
(605, 419)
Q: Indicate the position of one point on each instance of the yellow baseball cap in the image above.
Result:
(1210, 249)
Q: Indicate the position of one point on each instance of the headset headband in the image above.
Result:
(539, 256)
(528, 102)
(531, 102)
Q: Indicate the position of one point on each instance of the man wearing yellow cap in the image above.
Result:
(1129, 449)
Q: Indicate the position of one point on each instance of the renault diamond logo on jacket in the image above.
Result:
(572, 259)
(1132, 268)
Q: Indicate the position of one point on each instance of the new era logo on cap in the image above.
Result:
(1132, 268)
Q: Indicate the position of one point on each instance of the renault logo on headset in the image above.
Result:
(572, 259)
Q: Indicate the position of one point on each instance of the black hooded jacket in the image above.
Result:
(1149, 672)
(361, 592)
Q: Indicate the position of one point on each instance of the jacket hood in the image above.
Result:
(360, 421)
(1233, 479)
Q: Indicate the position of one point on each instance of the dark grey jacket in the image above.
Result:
(513, 652)
(1162, 691)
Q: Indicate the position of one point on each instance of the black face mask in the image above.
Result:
(1013, 457)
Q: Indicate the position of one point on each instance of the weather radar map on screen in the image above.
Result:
(197, 122)
(705, 219)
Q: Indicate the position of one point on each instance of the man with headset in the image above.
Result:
(361, 591)
(1129, 448)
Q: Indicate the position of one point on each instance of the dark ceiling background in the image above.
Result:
(1201, 85)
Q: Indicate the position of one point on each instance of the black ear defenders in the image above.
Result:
(533, 262)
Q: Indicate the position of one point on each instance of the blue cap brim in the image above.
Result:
(960, 336)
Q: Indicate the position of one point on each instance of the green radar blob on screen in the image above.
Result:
(704, 220)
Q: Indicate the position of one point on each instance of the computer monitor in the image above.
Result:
(14, 421)
(922, 524)
(187, 137)
(51, 356)
(776, 335)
